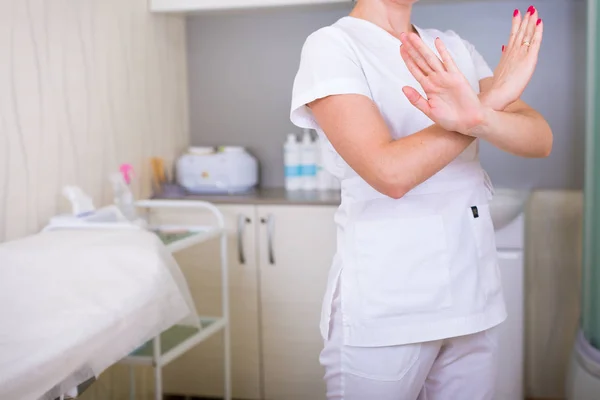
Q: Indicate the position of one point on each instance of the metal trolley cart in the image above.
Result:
(174, 342)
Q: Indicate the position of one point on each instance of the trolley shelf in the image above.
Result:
(176, 341)
(180, 237)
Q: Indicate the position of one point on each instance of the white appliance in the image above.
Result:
(510, 243)
(227, 170)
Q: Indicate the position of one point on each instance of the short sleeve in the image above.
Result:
(328, 66)
(482, 68)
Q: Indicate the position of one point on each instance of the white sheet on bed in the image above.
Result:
(72, 303)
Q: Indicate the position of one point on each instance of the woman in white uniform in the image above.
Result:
(414, 292)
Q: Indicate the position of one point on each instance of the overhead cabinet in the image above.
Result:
(184, 6)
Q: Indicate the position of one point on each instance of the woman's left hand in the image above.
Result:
(451, 101)
(519, 60)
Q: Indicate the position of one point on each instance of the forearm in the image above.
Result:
(515, 128)
(410, 161)
(407, 162)
(354, 126)
(519, 131)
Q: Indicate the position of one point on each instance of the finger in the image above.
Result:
(417, 100)
(522, 28)
(536, 41)
(516, 23)
(531, 24)
(412, 66)
(446, 57)
(415, 55)
(428, 55)
(503, 48)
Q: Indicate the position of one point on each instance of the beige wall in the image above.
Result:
(84, 86)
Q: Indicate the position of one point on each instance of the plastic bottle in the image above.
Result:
(291, 160)
(308, 162)
(323, 176)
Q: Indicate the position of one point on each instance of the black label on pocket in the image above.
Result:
(475, 212)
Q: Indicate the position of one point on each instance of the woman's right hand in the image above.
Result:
(518, 62)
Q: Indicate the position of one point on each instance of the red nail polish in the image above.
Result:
(532, 10)
(503, 47)
(516, 13)
(539, 21)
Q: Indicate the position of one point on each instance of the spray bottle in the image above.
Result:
(123, 197)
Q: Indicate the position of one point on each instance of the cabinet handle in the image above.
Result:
(270, 222)
(242, 221)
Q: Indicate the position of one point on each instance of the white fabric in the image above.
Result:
(422, 267)
(458, 368)
(72, 303)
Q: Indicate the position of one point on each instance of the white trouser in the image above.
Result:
(457, 368)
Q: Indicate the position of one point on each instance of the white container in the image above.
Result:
(229, 170)
(308, 162)
(201, 151)
(291, 160)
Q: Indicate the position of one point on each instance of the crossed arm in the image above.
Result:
(356, 129)
(359, 134)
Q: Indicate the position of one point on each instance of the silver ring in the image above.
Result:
(526, 43)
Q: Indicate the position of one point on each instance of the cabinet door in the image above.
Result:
(205, 5)
(199, 372)
(509, 384)
(296, 248)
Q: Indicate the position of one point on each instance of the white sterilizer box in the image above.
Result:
(226, 170)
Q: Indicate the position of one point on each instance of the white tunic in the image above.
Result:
(422, 267)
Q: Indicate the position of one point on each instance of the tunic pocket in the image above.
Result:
(402, 266)
(485, 240)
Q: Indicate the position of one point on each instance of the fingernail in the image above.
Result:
(503, 48)
(539, 21)
(516, 13)
(532, 10)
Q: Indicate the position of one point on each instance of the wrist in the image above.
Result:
(482, 129)
(492, 99)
